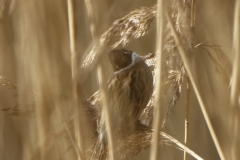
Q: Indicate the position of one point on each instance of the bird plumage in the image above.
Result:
(128, 92)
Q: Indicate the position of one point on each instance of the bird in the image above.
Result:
(128, 91)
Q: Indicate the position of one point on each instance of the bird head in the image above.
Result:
(120, 58)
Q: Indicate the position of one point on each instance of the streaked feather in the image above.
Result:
(128, 91)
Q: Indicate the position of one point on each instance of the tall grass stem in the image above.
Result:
(155, 151)
(187, 117)
(107, 116)
(235, 89)
(77, 106)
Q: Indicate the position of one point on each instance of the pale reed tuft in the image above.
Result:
(134, 25)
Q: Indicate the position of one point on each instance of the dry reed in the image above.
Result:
(193, 81)
(155, 151)
(79, 117)
(108, 117)
(47, 94)
(235, 94)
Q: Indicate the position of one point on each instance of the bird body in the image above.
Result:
(128, 92)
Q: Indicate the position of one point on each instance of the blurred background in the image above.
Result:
(35, 55)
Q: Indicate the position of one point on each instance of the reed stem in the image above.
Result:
(78, 120)
(155, 151)
(108, 121)
(187, 117)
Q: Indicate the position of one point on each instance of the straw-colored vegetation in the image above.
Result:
(54, 73)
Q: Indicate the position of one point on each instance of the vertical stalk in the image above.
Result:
(91, 19)
(78, 119)
(155, 151)
(106, 111)
(187, 117)
(193, 13)
(192, 24)
(41, 123)
(235, 89)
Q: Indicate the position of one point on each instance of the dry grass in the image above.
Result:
(50, 98)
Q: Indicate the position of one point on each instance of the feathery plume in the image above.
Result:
(134, 25)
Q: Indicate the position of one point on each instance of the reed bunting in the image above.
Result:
(128, 92)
